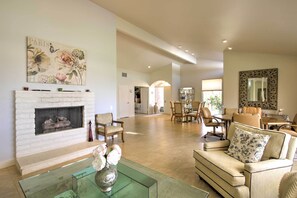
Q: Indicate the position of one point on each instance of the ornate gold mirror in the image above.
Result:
(258, 88)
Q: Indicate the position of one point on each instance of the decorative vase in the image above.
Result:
(90, 132)
(106, 178)
(156, 108)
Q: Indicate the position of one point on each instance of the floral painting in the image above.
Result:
(54, 63)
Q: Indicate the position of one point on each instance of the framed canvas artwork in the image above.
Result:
(54, 63)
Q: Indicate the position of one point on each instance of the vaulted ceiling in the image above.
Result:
(266, 26)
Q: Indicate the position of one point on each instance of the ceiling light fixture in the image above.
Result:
(149, 66)
(180, 46)
(229, 48)
(193, 54)
(224, 41)
(186, 50)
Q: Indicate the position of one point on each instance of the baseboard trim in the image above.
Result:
(7, 163)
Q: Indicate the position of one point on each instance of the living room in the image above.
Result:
(96, 32)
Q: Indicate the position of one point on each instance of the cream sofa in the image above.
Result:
(233, 178)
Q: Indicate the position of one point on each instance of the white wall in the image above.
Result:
(132, 80)
(194, 79)
(77, 23)
(164, 73)
(287, 70)
(175, 83)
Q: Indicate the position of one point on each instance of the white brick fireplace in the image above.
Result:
(27, 143)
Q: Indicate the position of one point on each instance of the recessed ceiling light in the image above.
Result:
(224, 41)
(180, 46)
(229, 48)
(186, 50)
(149, 66)
(193, 54)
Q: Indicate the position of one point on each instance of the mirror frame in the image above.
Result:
(272, 88)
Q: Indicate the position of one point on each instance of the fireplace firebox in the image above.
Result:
(48, 120)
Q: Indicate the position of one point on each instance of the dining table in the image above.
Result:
(273, 121)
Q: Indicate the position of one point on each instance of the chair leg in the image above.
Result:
(105, 138)
(123, 136)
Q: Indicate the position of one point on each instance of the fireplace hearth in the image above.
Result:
(48, 120)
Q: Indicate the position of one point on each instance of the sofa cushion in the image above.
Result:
(277, 146)
(110, 129)
(221, 164)
(246, 146)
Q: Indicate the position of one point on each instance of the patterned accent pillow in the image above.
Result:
(247, 147)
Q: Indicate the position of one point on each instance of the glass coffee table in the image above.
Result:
(76, 180)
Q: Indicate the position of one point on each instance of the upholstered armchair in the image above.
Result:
(106, 126)
(233, 178)
(248, 119)
(210, 121)
(288, 185)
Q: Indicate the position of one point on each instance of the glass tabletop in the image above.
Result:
(76, 180)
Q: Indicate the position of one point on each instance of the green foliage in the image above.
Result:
(215, 102)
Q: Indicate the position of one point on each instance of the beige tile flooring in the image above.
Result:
(153, 141)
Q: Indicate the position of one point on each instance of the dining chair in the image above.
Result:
(172, 110)
(230, 111)
(248, 119)
(179, 112)
(195, 105)
(196, 111)
(210, 121)
(252, 110)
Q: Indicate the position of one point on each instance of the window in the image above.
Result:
(212, 95)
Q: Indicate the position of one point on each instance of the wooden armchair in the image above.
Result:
(105, 126)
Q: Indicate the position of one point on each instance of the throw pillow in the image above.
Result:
(247, 147)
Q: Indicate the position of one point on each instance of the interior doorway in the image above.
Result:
(141, 98)
(126, 105)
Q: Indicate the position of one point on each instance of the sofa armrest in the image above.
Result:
(216, 146)
(263, 178)
(267, 165)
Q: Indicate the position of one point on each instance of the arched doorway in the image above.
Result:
(157, 96)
